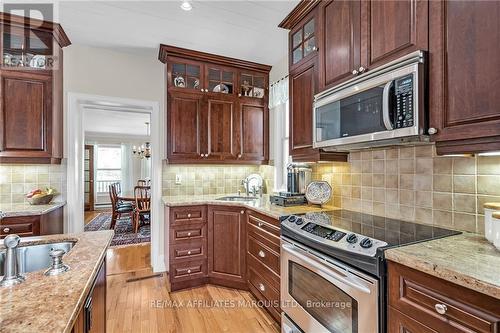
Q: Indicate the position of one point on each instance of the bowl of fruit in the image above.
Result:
(41, 197)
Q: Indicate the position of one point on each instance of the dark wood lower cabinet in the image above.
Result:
(422, 303)
(92, 316)
(225, 245)
(33, 225)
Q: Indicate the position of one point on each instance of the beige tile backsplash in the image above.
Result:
(16, 180)
(414, 184)
(211, 179)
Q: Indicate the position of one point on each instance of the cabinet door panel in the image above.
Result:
(253, 134)
(226, 244)
(341, 39)
(464, 100)
(185, 130)
(301, 113)
(395, 28)
(25, 115)
(399, 323)
(220, 129)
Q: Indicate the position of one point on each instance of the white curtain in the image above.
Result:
(126, 167)
(278, 106)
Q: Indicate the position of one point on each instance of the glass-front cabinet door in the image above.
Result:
(185, 75)
(220, 79)
(27, 48)
(303, 41)
(252, 85)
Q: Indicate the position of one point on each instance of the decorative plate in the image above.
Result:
(38, 61)
(221, 88)
(318, 192)
(179, 82)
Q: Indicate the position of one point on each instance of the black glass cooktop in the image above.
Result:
(393, 232)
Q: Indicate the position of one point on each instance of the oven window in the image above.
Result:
(329, 305)
(354, 115)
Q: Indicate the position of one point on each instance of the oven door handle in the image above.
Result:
(385, 106)
(338, 274)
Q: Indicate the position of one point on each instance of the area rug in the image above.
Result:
(124, 233)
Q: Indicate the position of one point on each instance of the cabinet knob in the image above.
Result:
(6, 230)
(260, 224)
(189, 234)
(189, 252)
(441, 308)
(355, 72)
(315, 48)
(242, 212)
(189, 215)
(239, 155)
(262, 287)
(206, 90)
(361, 69)
(202, 90)
(262, 254)
(239, 95)
(432, 130)
(189, 271)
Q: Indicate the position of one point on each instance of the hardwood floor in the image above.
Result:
(139, 301)
(89, 215)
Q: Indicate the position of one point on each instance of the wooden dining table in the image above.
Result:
(127, 196)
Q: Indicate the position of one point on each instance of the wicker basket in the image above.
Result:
(46, 199)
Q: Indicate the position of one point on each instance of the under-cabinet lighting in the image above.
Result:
(490, 153)
(186, 5)
(457, 155)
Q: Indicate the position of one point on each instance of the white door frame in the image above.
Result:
(74, 152)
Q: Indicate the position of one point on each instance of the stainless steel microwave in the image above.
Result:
(380, 108)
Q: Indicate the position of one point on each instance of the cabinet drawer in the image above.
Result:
(265, 231)
(441, 305)
(399, 323)
(188, 232)
(265, 292)
(264, 254)
(264, 271)
(21, 229)
(189, 250)
(188, 214)
(188, 270)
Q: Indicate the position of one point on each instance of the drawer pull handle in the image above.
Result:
(242, 212)
(262, 254)
(189, 216)
(441, 308)
(189, 271)
(262, 287)
(189, 234)
(260, 224)
(189, 252)
(6, 230)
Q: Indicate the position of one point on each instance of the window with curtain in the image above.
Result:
(109, 167)
(279, 107)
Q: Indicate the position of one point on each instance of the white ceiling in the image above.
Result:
(239, 28)
(107, 122)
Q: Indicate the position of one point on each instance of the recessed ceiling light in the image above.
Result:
(186, 5)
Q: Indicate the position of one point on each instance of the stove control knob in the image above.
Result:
(366, 243)
(299, 221)
(351, 238)
(292, 218)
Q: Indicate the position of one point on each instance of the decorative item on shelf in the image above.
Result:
(41, 197)
(7, 59)
(258, 92)
(318, 192)
(221, 88)
(196, 84)
(246, 89)
(38, 61)
(179, 82)
(144, 150)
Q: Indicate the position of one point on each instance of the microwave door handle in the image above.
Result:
(385, 106)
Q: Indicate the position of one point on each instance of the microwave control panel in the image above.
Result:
(404, 102)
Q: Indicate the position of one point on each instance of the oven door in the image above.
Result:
(323, 295)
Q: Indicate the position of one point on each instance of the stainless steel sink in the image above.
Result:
(34, 257)
(237, 198)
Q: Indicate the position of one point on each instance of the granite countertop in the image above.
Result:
(25, 209)
(468, 260)
(261, 205)
(51, 304)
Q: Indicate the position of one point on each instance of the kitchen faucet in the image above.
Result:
(11, 275)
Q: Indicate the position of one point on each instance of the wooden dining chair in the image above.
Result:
(142, 205)
(142, 182)
(118, 209)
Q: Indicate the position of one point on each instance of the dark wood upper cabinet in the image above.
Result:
(464, 59)
(226, 244)
(340, 57)
(31, 114)
(216, 108)
(392, 29)
(184, 121)
(303, 40)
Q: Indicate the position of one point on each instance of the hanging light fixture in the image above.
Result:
(186, 5)
(144, 150)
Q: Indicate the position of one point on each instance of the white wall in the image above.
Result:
(279, 71)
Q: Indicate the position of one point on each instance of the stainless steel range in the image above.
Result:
(333, 269)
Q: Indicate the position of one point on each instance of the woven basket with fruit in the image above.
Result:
(41, 197)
